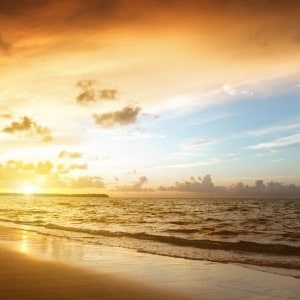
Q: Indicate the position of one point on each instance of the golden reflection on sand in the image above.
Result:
(24, 243)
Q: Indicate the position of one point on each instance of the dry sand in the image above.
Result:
(22, 277)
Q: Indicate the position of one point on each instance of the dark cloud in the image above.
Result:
(69, 14)
(21, 7)
(206, 186)
(29, 126)
(124, 10)
(136, 187)
(261, 189)
(199, 184)
(77, 20)
(90, 94)
(66, 154)
(128, 115)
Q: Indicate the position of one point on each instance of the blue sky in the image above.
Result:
(229, 136)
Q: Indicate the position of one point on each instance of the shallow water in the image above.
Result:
(258, 232)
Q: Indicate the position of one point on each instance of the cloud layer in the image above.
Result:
(206, 187)
(46, 175)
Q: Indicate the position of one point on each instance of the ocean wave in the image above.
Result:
(183, 230)
(244, 246)
(245, 252)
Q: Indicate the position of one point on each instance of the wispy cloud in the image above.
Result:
(274, 129)
(287, 141)
(5, 116)
(66, 154)
(233, 156)
(278, 160)
(134, 134)
(211, 161)
(215, 117)
(197, 143)
(233, 91)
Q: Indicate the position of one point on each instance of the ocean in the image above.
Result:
(257, 233)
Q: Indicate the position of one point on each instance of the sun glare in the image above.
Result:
(29, 189)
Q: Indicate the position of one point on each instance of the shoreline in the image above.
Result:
(171, 276)
(23, 277)
(55, 195)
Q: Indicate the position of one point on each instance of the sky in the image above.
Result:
(153, 96)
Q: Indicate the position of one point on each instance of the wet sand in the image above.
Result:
(36, 266)
(22, 277)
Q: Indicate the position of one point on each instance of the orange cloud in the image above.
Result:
(90, 94)
(265, 23)
(125, 116)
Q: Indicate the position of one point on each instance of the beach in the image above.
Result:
(22, 277)
(34, 266)
(27, 277)
(150, 149)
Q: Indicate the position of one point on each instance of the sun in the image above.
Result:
(29, 189)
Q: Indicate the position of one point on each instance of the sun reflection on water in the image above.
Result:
(24, 243)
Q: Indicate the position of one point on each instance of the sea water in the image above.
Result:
(259, 233)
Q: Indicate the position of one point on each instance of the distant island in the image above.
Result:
(57, 195)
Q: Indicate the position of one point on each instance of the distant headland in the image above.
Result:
(57, 195)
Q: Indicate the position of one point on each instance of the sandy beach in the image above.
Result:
(35, 266)
(22, 277)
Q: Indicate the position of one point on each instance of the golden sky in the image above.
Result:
(103, 79)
